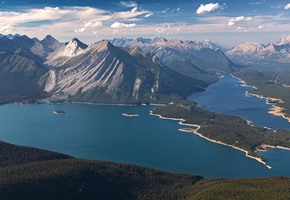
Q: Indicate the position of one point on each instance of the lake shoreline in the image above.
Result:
(275, 110)
(195, 131)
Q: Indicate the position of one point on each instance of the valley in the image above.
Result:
(77, 81)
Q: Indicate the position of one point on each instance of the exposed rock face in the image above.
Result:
(152, 71)
(105, 73)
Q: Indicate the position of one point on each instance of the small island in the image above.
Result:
(58, 112)
(130, 115)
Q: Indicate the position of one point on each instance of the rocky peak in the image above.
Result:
(159, 40)
(250, 47)
(50, 42)
(101, 45)
(76, 44)
(284, 40)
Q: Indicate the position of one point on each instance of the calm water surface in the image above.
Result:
(229, 97)
(101, 132)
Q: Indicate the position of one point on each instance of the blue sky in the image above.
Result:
(226, 22)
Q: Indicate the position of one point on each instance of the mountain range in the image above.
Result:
(121, 70)
(117, 71)
(253, 53)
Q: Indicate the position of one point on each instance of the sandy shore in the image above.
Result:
(275, 110)
(243, 83)
(265, 147)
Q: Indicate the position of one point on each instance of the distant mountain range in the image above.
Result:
(118, 71)
(188, 57)
(252, 53)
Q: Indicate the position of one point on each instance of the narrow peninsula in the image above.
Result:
(224, 129)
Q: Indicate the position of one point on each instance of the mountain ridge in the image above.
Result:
(154, 71)
(253, 52)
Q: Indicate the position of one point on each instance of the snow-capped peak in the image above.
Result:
(249, 47)
(284, 40)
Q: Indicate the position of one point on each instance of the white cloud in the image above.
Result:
(165, 11)
(134, 9)
(260, 27)
(258, 2)
(208, 8)
(89, 26)
(129, 14)
(73, 15)
(92, 24)
(87, 22)
(67, 20)
(122, 25)
(6, 28)
(81, 30)
(148, 15)
(287, 6)
(129, 4)
(233, 21)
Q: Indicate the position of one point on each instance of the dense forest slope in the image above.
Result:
(29, 173)
(225, 129)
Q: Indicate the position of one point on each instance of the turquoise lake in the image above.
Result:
(101, 132)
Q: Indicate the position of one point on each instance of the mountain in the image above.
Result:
(64, 52)
(11, 44)
(104, 73)
(50, 43)
(141, 71)
(186, 57)
(19, 76)
(9, 36)
(127, 42)
(211, 45)
(251, 53)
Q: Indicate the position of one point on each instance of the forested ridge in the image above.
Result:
(30, 173)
